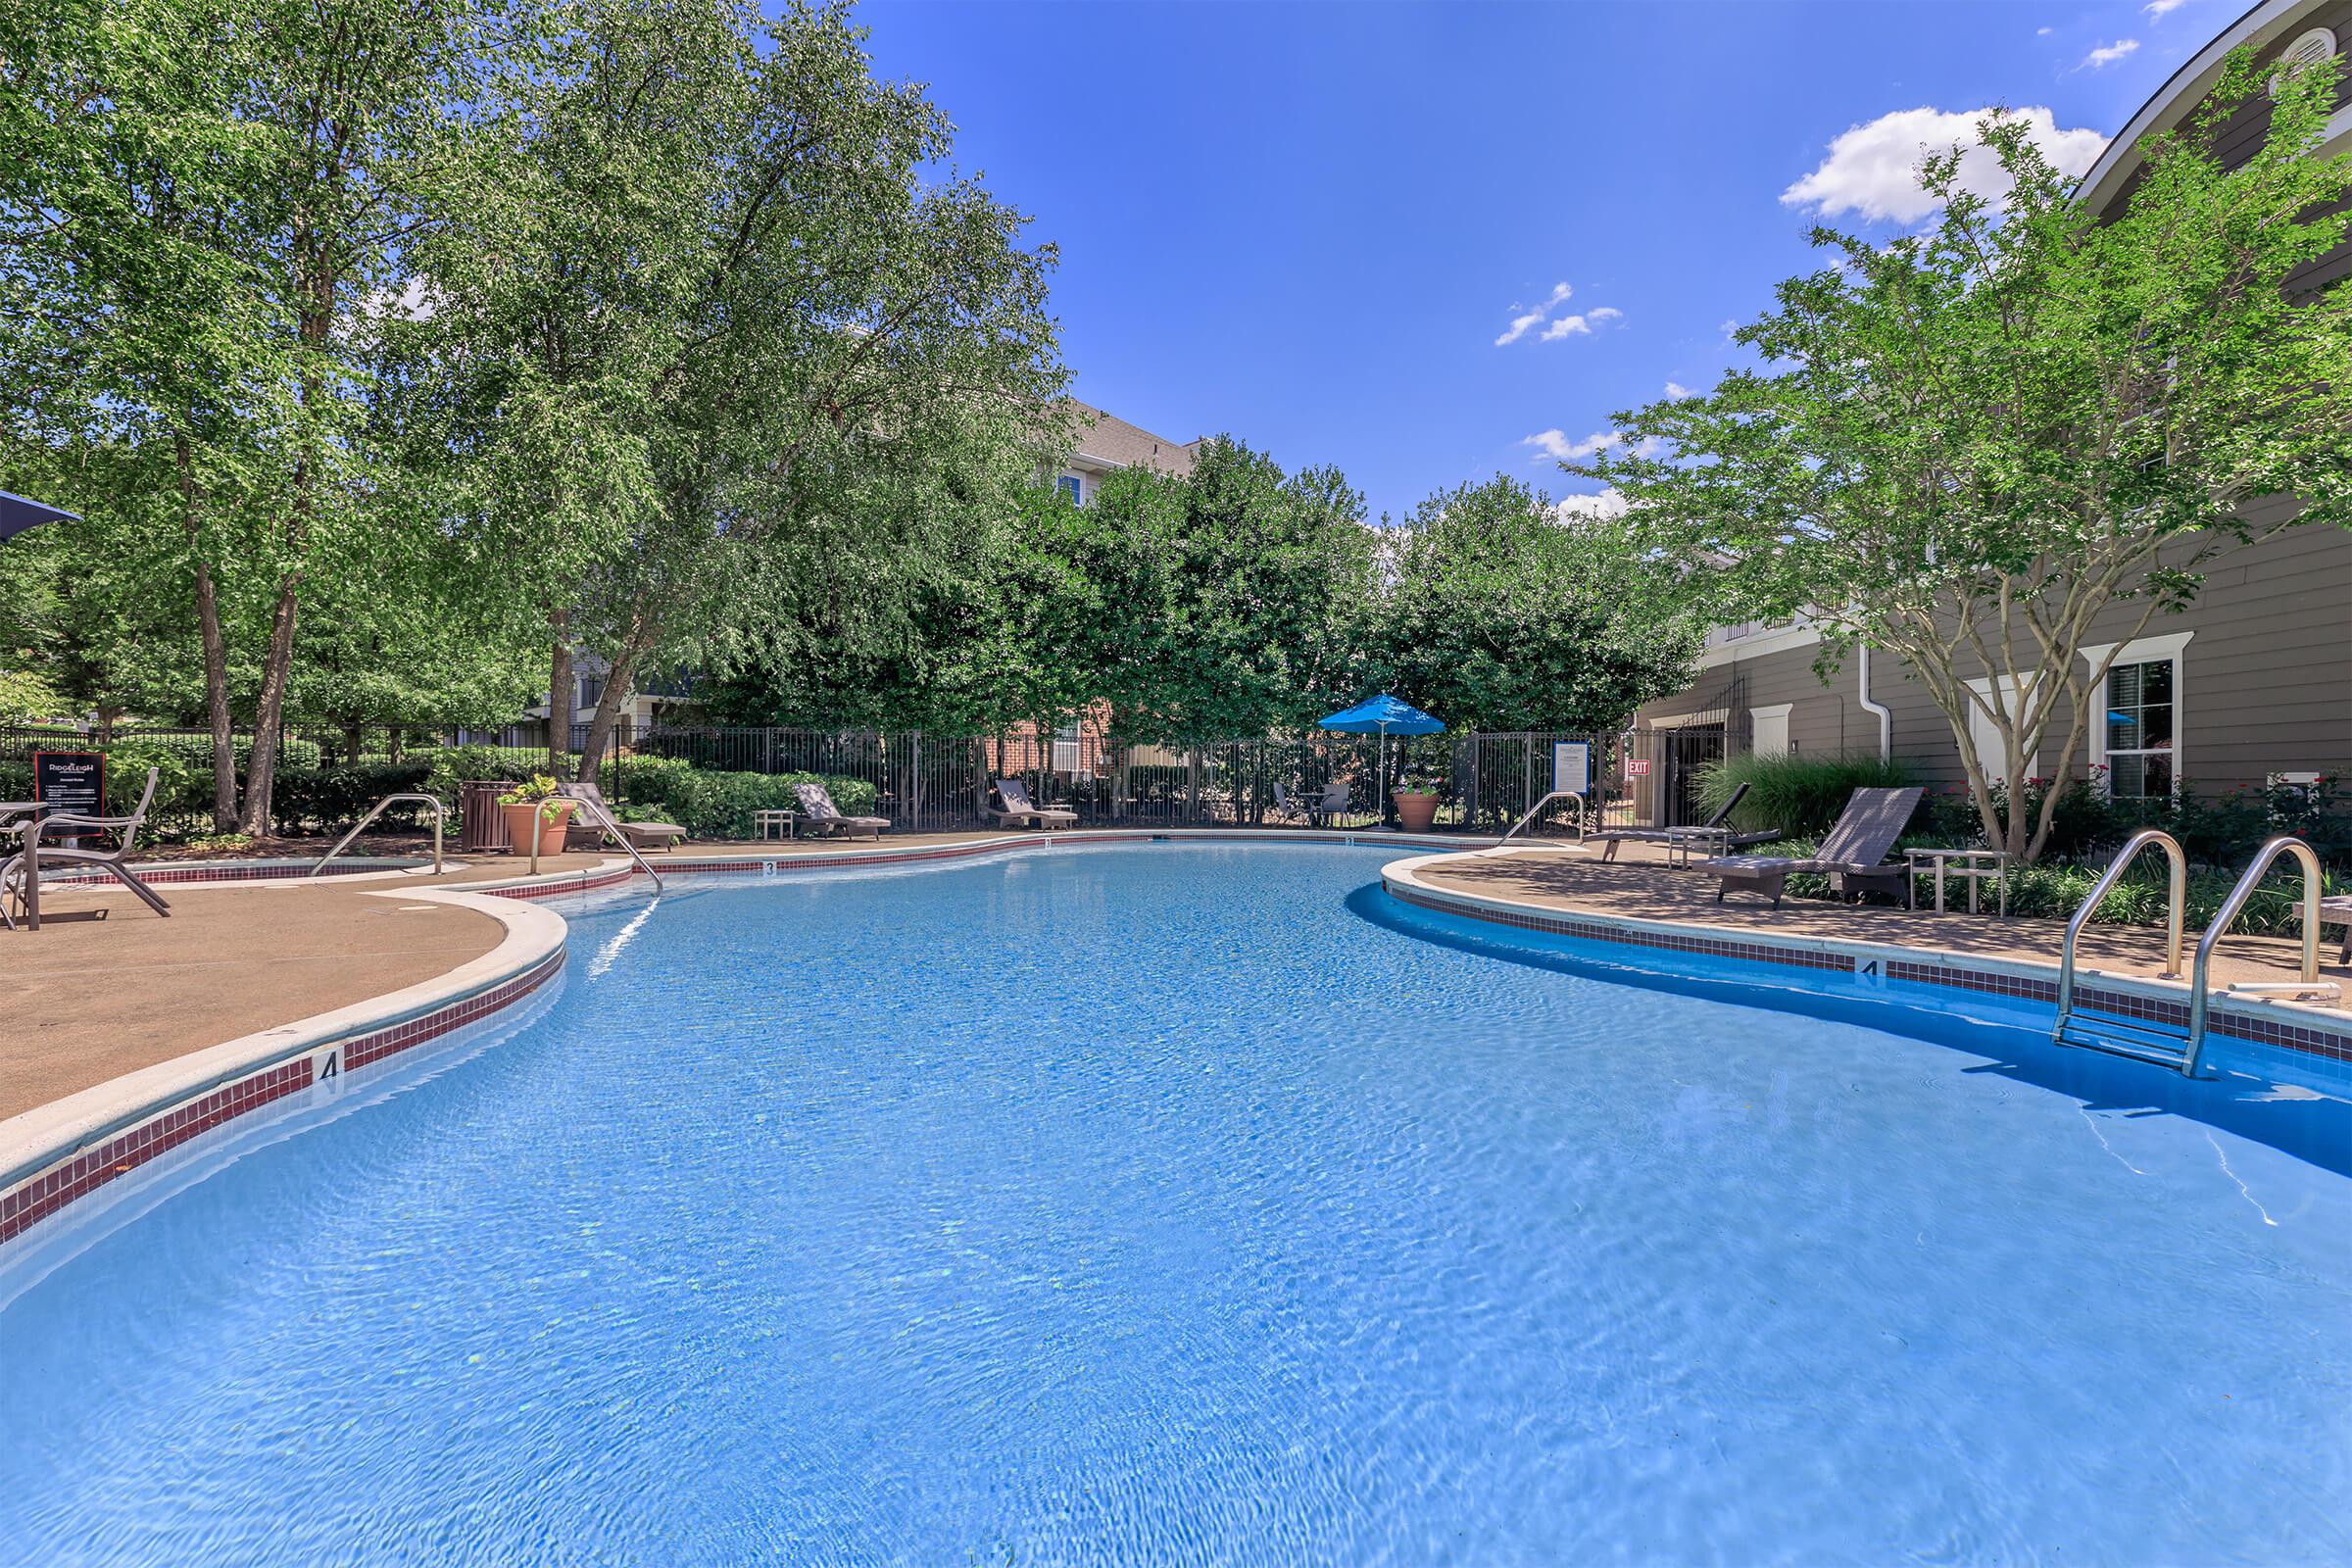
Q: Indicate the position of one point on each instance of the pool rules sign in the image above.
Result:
(69, 782)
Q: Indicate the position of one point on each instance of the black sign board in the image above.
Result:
(69, 782)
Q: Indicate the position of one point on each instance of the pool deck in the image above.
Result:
(1641, 886)
(88, 1001)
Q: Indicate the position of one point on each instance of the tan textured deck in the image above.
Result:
(1642, 887)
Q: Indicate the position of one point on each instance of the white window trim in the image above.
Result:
(1778, 711)
(2141, 650)
(1983, 687)
(1681, 720)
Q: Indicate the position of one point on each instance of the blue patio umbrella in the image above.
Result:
(18, 514)
(1382, 716)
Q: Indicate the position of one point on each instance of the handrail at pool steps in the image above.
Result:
(2144, 1043)
(377, 810)
(2310, 984)
(1581, 809)
(594, 809)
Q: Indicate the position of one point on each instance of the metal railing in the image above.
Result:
(1532, 811)
(594, 810)
(440, 812)
(2177, 897)
(2199, 1000)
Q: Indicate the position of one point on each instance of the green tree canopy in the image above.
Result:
(1501, 612)
(1967, 443)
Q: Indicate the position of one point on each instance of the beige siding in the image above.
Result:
(2266, 678)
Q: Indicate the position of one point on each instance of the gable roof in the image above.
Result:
(1112, 443)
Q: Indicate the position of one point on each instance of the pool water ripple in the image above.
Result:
(1156, 1206)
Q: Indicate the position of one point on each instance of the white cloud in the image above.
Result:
(1556, 445)
(2044, 32)
(1604, 315)
(1873, 169)
(1528, 318)
(2108, 54)
(2158, 9)
(1566, 326)
(1590, 508)
(1676, 389)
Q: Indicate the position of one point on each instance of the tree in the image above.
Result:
(1498, 613)
(1224, 604)
(204, 210)
(1967, 443)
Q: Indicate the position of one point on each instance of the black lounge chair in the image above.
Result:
(602, 821)
(1851, 854)
(819, 814)
(1014, 805)
(1712, 829)
(16, 872)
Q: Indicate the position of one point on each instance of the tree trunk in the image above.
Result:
(353, 735)
(558, 696)
(617, 681)
(261, 769)
(216, 651)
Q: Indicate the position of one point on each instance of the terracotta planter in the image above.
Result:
(551, 826)
(1414, 809)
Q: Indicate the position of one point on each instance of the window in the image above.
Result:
(2137, 735)
(2139, 731)
(592, 687)
(1066, 748)
(1073, 487)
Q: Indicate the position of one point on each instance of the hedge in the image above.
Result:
(712, 804)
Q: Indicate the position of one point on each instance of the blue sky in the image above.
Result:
(1308, 226)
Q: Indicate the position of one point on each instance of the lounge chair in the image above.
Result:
(1851, 854)
(1013, 806)
(16, 872)
(1712, 831)
(602, 819)
(819, 814)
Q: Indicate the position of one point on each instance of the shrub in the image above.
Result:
(1798, 793)
(712, 804)
(320, 798)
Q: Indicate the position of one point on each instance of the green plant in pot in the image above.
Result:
(1416, 798)
(534, 807)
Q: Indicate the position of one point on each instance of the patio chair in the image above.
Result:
(1014, 805)
(16, 873)
(1873, 819)
(1712, 830)
(821, 815)
(602, 819)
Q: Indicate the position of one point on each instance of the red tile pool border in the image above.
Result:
(2314, 1039)
(77, 1175)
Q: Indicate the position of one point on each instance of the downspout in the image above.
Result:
(1885, 718)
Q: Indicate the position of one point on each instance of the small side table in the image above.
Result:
(1976, 868)
(765, 823)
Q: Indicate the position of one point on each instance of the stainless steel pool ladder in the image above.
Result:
(2142, 1041)
(2132, 1038)
(1533, 810)
(377, 810)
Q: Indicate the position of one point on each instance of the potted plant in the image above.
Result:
(1417, 800)
(534, 807)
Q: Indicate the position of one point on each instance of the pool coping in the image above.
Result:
(54, 1154)
(2322, 1032)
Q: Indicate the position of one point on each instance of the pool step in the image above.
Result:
(2133, 1039)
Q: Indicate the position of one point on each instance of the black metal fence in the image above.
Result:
(1483, 781)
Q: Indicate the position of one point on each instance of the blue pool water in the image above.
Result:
(1183, 1204)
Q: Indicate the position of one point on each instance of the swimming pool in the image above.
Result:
(1180, 1203)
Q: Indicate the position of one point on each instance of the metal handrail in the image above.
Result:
(2199, 1001)
(605, 821)
(2114, 873)
(1582, 807)
(377, 810)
